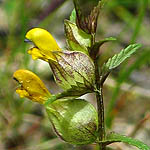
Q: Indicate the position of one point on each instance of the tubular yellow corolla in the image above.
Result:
(31, 86)
(44, 44)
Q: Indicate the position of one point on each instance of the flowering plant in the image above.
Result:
(77, 71)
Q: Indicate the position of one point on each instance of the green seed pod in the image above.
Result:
(74, 121)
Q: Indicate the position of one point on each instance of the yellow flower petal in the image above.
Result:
(37, 54)
(44, 43)
(22, 93)
(31, 86)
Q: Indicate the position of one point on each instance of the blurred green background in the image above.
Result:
(23, 124)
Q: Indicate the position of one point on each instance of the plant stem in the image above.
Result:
(99, 98)
(100, 107)
(101, 126)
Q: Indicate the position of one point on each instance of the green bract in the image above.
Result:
(75, 121)
(74, 71)
(77, 39)
(73, 16)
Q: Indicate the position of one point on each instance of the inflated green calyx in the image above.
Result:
(74, 121)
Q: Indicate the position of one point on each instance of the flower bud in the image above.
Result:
(74, 121)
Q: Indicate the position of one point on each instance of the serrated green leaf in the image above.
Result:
(77, 39)
(74, 71)
(73, 16)
(114, 137)
(140, 60)
(117, 59)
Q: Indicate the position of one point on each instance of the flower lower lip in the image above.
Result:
(33, 48)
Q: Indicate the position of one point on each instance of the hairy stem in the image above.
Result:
(99, 98)
(101, 126)
(100, 107)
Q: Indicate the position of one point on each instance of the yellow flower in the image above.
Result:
(31, 86)
(44, 43)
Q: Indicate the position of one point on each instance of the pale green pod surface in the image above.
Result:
(74, 121)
